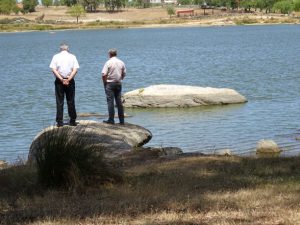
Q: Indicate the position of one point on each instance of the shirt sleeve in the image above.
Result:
(53, 64)
(105, 69)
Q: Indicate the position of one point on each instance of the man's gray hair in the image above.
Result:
(112, 52)
(64, 46)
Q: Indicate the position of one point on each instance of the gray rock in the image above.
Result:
(96, 115)
(180, 96)
(224, 152)
(112, 140)
(267, 147)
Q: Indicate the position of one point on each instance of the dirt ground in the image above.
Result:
(157, 17)
(127, 14)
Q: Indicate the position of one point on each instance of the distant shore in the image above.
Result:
(56, 18)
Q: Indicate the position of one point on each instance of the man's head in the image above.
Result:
(64, 47)
(112, 52)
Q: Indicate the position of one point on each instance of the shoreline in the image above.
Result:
(234, 20)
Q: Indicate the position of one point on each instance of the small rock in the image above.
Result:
(224, 152)
(3, 164)
(171, 151)
(267, 146)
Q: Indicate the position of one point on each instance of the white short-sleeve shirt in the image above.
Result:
(64, 62)
(114, 68)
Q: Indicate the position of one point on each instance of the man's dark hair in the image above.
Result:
(112, 52)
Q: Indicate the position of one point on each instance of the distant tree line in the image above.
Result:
(88, 5)
(10, 6)
(267, 6)
(280, 6)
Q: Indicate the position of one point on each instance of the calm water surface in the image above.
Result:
(260, 62)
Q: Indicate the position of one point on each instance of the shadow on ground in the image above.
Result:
(179, 184)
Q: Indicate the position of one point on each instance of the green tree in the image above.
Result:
(284, 7)
(69, 2)
(90, 5)
(170, 10)
(56, 2)
(141, 3)
(184, 2)
(111, 5)
(47, 3)
(233, 4)
(77, 11)
(260, 4)
(29, 5)
(297, 5)
(248, 4)
(8, 6)
(268, 5)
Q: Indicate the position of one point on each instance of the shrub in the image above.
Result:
(297, 5)
(16, 180)
(284, 7)
(65, 160)
(170, 10)
(245, 20)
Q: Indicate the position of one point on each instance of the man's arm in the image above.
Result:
(72, 75)
(104, 73)
(123, 71)
(104, 79)
(57, 75)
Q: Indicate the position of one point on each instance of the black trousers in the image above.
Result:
(60, 92)
(113, 92)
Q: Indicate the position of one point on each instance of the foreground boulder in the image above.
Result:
(180, 96)
(112, 140)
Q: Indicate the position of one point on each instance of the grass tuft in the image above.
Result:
(64, 159)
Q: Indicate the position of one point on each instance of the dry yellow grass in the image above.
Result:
(182, 191)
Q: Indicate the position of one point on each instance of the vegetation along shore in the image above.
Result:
(62, 17)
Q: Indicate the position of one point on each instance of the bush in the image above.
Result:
(284, 7)
(16, 180)
(296, 5)
(170, 10)
(65, 160)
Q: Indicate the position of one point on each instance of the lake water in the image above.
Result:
(260, 62)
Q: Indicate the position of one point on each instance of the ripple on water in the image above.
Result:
(265, 71)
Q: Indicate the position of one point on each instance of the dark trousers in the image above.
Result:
(113, 92)
(60, 92)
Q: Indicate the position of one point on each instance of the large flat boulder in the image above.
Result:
(180, 96)
(111, 140)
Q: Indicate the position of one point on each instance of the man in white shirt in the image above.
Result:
(64, 66)
(113, 73)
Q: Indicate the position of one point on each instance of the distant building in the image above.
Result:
(170, 1)
(155, 1)
(163, 1)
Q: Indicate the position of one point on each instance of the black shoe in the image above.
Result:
(59, 124)
(73, 123)
(108, 121)
(121, 123)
